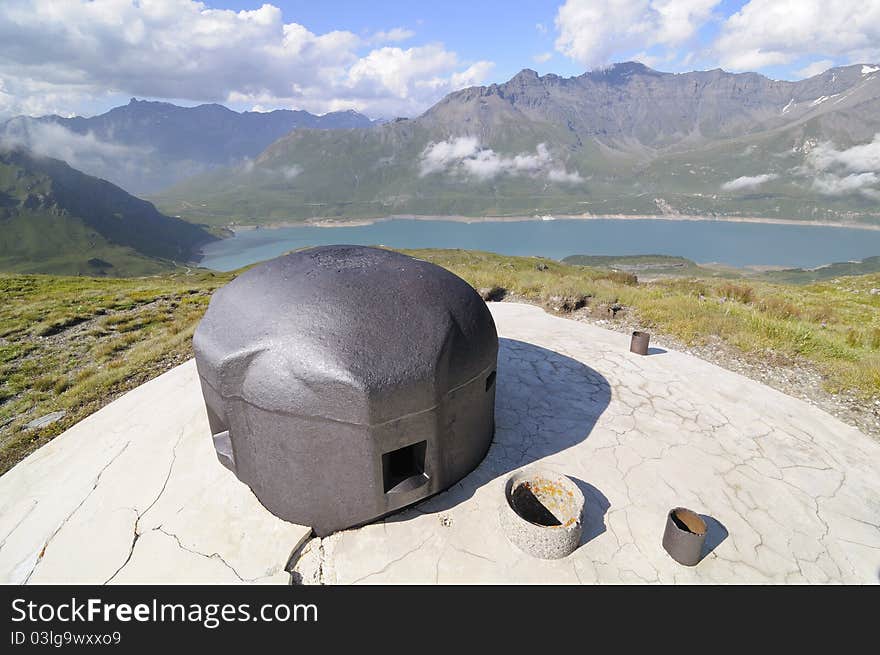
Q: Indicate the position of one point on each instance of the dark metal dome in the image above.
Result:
(322, 366)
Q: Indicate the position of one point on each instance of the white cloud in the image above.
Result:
(392, 36)
(594, 33)
(564, 177)
(290, 172)
(81, 151)
(464, 156)
(748, 182)
(815, 68)
(854, 169)
(23, 95)
(543, 58)
(776, 32)
(858, 159)
(833, 185)
(184, 49)
(438, 156)
(410, 76)
(652, 61)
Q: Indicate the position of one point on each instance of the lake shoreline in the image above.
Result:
(772, 244)
(360, 222)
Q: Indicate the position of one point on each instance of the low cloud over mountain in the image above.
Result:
(748, 182)
(848, 170)
(464, 156)
(147, 146)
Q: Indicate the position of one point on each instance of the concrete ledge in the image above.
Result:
(792, 495)
(134, 494)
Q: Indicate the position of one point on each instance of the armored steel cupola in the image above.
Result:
(343, 382)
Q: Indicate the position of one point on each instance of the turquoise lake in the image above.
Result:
(735, 244)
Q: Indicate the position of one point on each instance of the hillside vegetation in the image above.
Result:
(654, 266)
(622, 140)
(55, 219)
(73, 344)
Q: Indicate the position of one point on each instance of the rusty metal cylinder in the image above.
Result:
(639, 343)
(684, 536)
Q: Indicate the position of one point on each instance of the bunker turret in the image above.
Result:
(343, 383)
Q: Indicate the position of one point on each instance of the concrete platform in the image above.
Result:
(135, 494)
(793, 493)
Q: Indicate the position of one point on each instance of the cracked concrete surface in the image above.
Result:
(135, 494)
(792, 495)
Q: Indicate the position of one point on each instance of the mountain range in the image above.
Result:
(146, 146)
(622, 140)
(55, 219)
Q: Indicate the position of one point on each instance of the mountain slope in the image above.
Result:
(144, 146)
(625, 140)
(55, 219)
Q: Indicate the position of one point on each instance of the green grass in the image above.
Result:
(834, 324)
(75, 343)
(653, 265)
(59, 221)
(839, 269)
(650, 266)
(40, 242)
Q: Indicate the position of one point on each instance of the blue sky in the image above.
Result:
(506, 32)
(388, 58)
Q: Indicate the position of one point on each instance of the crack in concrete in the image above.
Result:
(212, 556)
(748, 452)
(393, 562)
(138, 515)
(64, 521)
(19, 522)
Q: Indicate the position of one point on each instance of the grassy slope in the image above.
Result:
(25, 248)
(834, 324)
(55, 219)
(650, 266)
(801, 276)
(73, 344)
(76, 343)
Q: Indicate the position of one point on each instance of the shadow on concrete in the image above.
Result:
(715, 534)
(656, 351)
(545, 403)
(596, 505)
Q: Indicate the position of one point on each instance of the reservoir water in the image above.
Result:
(734, 244)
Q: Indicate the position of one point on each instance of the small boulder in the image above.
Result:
(566, 304)
(492, 294)
(45, 420)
